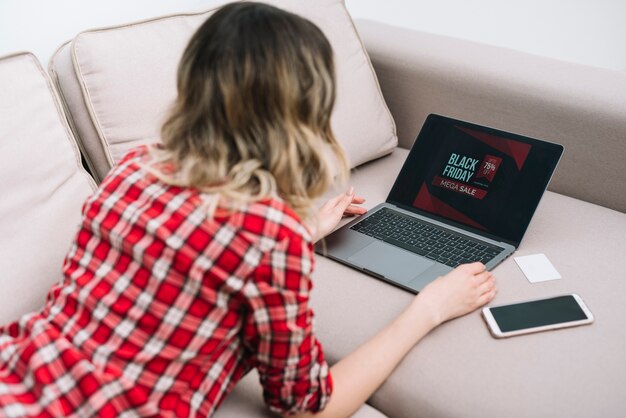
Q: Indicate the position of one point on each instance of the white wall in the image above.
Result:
(585, 31)
(590, 32)
(40, 26)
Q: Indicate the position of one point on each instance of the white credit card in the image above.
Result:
(537, 268)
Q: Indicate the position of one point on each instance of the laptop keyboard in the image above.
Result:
(426, 239)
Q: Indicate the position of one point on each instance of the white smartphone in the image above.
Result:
(537, 315)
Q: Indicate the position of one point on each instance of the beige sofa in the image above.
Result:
(115, 84)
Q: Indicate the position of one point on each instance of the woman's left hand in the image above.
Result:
(329, 215)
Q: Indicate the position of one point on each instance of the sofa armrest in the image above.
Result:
(581, 107)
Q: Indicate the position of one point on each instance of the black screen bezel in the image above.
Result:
(423, 141)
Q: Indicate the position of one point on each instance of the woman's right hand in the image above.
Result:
(464, 289)
(356, 376)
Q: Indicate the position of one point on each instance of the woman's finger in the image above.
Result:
(487, 286)
(334, 201)
(331, 203)
(344, 202)
(355, 210)
(487, 297)
(482, 277)
(472, 268)
(358, 200)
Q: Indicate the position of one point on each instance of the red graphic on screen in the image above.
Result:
(461, 188)
(430, 203)
(516, 150)
(489, 167)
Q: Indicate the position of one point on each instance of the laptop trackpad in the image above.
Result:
(393, 263)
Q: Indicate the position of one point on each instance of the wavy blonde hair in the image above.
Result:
(256, 89)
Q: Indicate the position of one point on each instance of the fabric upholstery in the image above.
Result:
(42, 183)
(581, 107)
(123, 78)
(93, 152)
(459, 370)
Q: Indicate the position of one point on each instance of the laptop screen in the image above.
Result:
(480, 179)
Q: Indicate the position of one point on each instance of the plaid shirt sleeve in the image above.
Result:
(279, 330)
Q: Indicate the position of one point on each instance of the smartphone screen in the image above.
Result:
(538, 313)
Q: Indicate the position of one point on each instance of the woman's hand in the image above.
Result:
(329, 215)
(356, 376)
(464, 289)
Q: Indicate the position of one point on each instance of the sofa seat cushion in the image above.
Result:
(119, 82)
(459, 369)
(246, 400)
(42, 184)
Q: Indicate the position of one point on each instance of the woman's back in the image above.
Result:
(188, 270)
(164, 308)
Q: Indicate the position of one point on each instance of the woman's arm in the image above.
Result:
(359, 374)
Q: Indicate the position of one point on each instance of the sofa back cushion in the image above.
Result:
(581, 107)
(119, 82)
(42, 183)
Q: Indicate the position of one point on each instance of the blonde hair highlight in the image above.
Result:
(256, 89)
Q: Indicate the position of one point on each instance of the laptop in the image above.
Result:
(465, 193)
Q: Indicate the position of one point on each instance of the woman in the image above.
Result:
(192, 263)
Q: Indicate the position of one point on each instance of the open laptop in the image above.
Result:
(465, 193)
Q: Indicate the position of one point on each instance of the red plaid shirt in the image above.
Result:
(162, 310)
